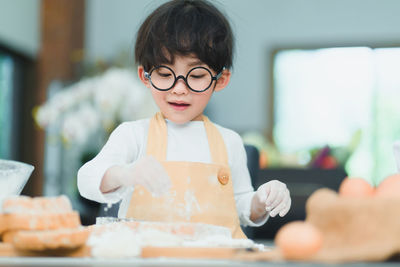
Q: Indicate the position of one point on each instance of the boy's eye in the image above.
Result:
(165, 75)
(197, 76)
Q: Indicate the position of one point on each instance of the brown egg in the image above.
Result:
(389, 187)
(356, 187)
(298, 240)
(322, 195)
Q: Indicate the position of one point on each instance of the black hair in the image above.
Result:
(183, 27)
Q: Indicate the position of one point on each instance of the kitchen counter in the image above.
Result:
(86, 262)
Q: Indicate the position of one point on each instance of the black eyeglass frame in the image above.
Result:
(147, 75)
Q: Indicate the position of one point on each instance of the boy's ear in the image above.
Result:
(223, 81)
(144, 80)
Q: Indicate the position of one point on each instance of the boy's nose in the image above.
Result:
(180, 87)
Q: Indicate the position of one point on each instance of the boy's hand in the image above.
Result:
(149, 173)
(274, 197)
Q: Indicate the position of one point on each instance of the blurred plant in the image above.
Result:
(325, 157)
(329, 157)
(95, 103)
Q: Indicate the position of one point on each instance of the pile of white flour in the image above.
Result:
(119, 240)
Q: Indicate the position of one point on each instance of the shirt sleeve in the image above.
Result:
(120, 149)
(242, 187)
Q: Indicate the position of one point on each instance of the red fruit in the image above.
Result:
(329, 162)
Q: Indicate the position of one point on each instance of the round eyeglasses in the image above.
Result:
(198, 79)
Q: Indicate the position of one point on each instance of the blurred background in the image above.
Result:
(315, 88)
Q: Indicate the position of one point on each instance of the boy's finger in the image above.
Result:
(271, 196)
(278, 208)
(278, 199)
(286, 209)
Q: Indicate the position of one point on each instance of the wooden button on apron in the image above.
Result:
(223, 176)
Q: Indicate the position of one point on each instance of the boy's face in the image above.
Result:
(180, 104)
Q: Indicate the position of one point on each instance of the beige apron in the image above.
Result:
(200, 192)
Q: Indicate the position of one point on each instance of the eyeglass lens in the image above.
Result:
(198, 79)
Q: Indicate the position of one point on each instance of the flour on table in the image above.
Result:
(118, 242)
(157, 238)
(124, 239)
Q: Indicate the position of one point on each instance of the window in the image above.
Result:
(327, 96)
(6, 97)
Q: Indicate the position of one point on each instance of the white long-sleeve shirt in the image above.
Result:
(186, 142)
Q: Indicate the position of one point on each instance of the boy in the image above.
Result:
(178, 166)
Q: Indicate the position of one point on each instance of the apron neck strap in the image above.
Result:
(216, 143)
(157, 140)
(157, 137)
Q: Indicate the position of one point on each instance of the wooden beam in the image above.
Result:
(62, 39)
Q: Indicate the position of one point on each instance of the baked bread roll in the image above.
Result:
(36, 205)
(45, 221)
(58, 239)
(8, 236)
(37, 213)
(41, 224)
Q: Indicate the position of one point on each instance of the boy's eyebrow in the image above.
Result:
(195, 63)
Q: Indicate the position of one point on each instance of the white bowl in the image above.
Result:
(13, 177)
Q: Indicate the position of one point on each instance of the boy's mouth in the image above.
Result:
(179, 105)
